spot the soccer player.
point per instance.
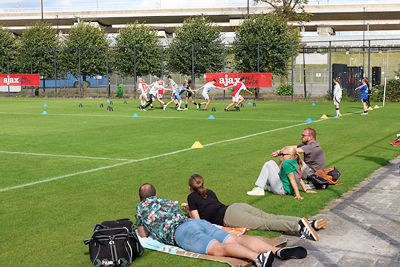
(189, 93)
(337, 96)
(206, 89)
(174, 87)
(176, 96)
(236, 97)
(143, 88)
(364, 94)
(160, 91)
(154, 88)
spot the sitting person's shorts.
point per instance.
(197, 235)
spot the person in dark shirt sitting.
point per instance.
(204, 204)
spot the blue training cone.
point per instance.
(309, 120)
(135, 115)
(45, 112)
(183, 102)
(249, 103)
(211, 117)
(108, 101)
(45, 105)
(313, 104)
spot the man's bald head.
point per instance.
(146, 190)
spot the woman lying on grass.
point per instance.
(204, 204)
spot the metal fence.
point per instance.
(310, 72)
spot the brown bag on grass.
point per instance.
(325, 174)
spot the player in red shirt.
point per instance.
(236, 97)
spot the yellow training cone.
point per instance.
(197, 145)
(324, 116)
(376, 106)
(340, 115)
(370, 108)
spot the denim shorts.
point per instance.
(197, 235)
(176, 97)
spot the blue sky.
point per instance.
(66, 5)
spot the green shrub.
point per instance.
(284, 89)
(392, 91)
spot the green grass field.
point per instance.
(98, 159)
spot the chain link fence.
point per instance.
(309, 74)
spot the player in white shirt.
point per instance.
(236, 97)
(337, 96)
(173, 86)
(154, 89)
(143, 88)
(206, 89)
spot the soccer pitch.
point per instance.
(66, 171)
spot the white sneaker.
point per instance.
(364, 113)
(256, 192)
(179, 109)
(185, 109)
(164, 106)
(310, 186)
(265, 259)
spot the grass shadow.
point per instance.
(378, 160)
(362, 149)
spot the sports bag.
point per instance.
(330, 174)
(318, 182)
(114, 243)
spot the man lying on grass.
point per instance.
(162, 220)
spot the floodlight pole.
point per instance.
(41, 6)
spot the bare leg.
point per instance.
(246, 247)
(166, 105)
(208, 103)
(233, 250)
(240, 101)
(365, 107)
(230, 105)
(161, 102)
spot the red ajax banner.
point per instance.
(254, 80)
(19, 79)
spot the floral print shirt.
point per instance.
(161, 217)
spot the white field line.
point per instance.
(92, 170)
(161, 155)
(56, 155)
(142, 116)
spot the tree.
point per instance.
(8, 43)
(268, 36)
(287, 9)
(204, 38)
(137, 43)
(85, 51)
(39, 43)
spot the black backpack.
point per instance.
(114, 243)
(318, 182)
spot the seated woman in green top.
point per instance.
(286, 178)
